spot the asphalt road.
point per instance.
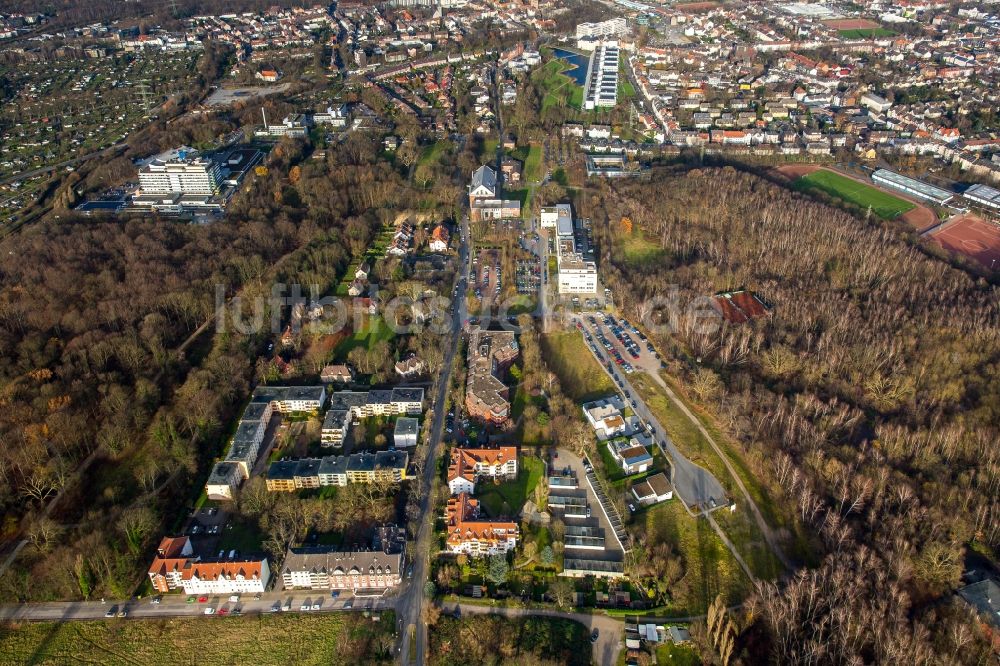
(411, 598)
(694, 484)
(175, 605)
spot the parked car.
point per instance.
(202, 600)
(209, 611)
(156, 600)
(111, 612)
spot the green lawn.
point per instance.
(522, 196)
(559, 88)
(245, 537)
(882, 203)
(506, 499)
(865, 33)
(323, 638)
(581, 376)
(489, 149)
(372, 331)
(710, 569)
(639, 249)
(533, 163)
(668, 654)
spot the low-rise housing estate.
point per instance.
(467, 466)
(476, 536)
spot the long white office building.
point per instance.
(616, 27)
(181, 174)
(602, 77)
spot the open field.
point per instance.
(668, 654)
(883, 204)
(639, 249)
(971, 236)
(582, 378)
(865, 33)
(325, 638)
(710, 569)
(506, 499)
(740, 526)
(372, 331)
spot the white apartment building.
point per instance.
(616, 27)
(601, 89)
(187, 176)
(236, 577)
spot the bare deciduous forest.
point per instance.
(92, 313)
(868, 401)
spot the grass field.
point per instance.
(740, 526)
(882, 203)
(433, 153)
(669, 654)
(372, 331)
(506, 499)
(639, 249)
(327, 638)
(559, 88)
(533, 163)
(581, 377)
(865, 33)
(710, 568)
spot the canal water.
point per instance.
(579, 71)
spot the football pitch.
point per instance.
(882, 203)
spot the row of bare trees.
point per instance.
(865, 400)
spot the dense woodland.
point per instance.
(92, 314)
(868, 400)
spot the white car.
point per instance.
(315, 606)
(209, 611)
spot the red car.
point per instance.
(223, 611)
(202, 600)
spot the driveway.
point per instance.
(609, 637)
(695, 485)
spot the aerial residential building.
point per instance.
(653, 490)
(469, 533)
(405, 433)
(290, 475)
(336, 374)
(439, 239)
(329, 568)
(166, 571)
(605, 417)
(490, 354)
(469, 465)
(175, 566)
(411, 366)
(616, 27)
(601, 89)
(336, 425)
(630, 454)
(225, 477)
(227, 577)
